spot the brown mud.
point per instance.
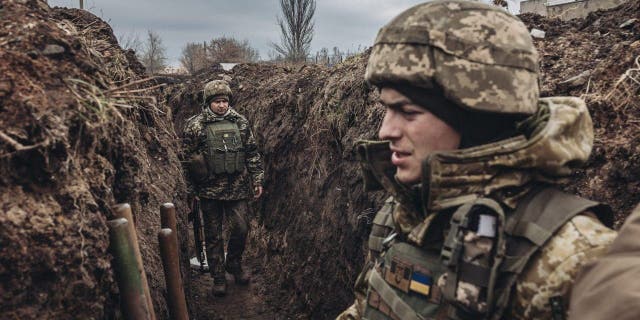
(313, 220)
(80, 142)
(78, 135)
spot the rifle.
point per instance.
(198, 235)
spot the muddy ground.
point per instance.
(313, 220)
(79, 135)
(80, 132)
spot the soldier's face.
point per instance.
(414, 134)
(219, 106)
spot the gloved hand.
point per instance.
(257, 192)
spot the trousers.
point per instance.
(213, 213)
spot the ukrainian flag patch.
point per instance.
(421, 283)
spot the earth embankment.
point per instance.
(81, 129)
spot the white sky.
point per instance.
(346, 24)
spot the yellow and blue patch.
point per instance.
(420, 283)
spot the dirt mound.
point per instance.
(77, 135)
(81, 130)
(313, 221)
(595, 58)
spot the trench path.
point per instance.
(240, 302)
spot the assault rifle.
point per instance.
(200, 261)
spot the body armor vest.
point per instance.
(405, 282)
(225, 151)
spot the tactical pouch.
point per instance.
(402, 284)
(472, 254)
(198, 169)
(225, 152)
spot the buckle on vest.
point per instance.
(453, 245)
(388, 241)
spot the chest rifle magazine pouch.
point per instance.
(225, 151)
(472, 254)
(198, 169)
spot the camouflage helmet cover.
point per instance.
(480, 55)
(216, 88)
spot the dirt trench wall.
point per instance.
(598, 59)
(76, 138)
(313, 220)
(314, 216)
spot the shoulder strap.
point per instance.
(536, 219)
(382, 225)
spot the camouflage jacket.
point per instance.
(517, 164)
(224, 186)
(608, 287)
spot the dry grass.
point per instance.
(116, 92)
(626, 91)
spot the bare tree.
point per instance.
(296, 27)
(194, 57)
(153, 56)
(130, 41)
(228, 49)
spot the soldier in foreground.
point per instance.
(225, 171)
(475, 228)
(609, 287)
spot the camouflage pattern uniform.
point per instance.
(235, 186)
(482, 59)
(226, 193)
(608, 288)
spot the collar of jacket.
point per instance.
(557, 140)
(210, 116)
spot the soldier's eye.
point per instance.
(410, 111)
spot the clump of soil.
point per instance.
(77, 135)
(311, 226)
(81, 129)
(595, 58)
(307, 242)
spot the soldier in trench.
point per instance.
(226, 170)
(475, 227)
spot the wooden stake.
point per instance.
(123, 210)
(170, 261)
(133, 303)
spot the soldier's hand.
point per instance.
(191, 200)
(257, 192)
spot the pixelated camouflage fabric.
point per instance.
(552, 272)
(607, 288)
(235, 186)
(216, 88)
(495, 170)
(560, 143)
(480, 55)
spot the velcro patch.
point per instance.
(398, 274)
(421, 283)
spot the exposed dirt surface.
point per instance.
(80, 131)
(313, 220)
(306, 246)
(75, 139)
(603, 52)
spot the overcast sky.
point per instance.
(346, 24)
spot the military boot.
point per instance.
(219, 285)
(239, 275)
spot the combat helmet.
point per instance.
(481, 57)
(214, 89)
